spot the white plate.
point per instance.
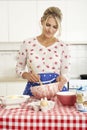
(14, 99)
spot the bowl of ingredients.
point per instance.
(66, 98)
(46, 90)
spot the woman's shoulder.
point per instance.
(29, 40)
(63, 43)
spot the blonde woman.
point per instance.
(46, 57)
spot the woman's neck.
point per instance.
(46, 41)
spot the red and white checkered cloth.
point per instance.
(60, 118)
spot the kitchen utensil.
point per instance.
(34, 72)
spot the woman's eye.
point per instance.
(55, 27)
(48, 25)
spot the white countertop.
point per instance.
(12, 79)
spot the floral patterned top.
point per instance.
(54, 58)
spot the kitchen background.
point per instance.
(20, 19)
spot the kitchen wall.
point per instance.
(78, 60)
(20, 19)
(8, 60)
(11, 84)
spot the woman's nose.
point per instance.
(50, 29)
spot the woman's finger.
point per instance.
(33, 77)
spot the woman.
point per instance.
(46, 57)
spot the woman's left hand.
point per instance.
(62, 80)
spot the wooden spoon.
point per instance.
(35, 73)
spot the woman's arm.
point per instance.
(62, 81)
(21, 60)
(64, 67)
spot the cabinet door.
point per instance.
(3, 89)
(77, 21)
(22, 20)
(3, 21)
(15, 88)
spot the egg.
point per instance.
(44, 102)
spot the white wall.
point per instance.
(20, 19)
(78, 60)
(8, 60)
(10, 84)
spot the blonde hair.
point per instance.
(56, 13)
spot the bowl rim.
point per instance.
(66, 93)
(50, 84)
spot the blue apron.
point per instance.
(46, 78)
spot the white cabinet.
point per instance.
(22, 20)
(9, 82)
(15, 88)
(7, 64)
(12, 88)
(17, 20)
(3, 89)
(76, 21)
(4, 21)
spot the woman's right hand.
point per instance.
(62, 80)
(31, 77)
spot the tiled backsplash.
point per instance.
(78, 60)
(7, 64)
(8, 60)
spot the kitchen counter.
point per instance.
(12, 79)
(59, 118)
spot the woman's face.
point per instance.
(50, 27)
